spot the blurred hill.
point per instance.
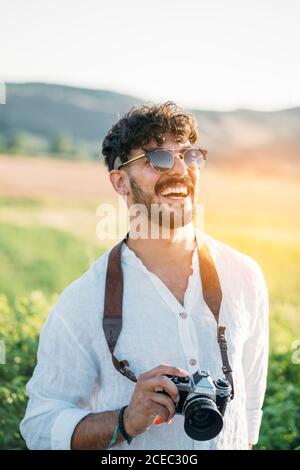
(67, 121)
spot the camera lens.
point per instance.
(201, 418)
(203, 421)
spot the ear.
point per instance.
(120, 181)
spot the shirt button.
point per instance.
(183, 315)
(193, 362)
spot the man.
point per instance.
(78, 399)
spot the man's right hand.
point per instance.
(146, 404)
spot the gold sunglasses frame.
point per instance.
(181, 153)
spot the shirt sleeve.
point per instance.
(255, 358)
(60, 388)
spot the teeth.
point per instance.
(175, 189)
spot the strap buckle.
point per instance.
(124, 369)
(226, 369)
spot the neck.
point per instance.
(179, 246)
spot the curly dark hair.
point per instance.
(141, 124)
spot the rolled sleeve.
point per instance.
(253, 424)
(63, 427)
(60, 388)
(255, 358)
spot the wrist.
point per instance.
(129, 428)
(121, 425)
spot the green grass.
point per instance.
(20, 202)
(40, 258)
(279, 258)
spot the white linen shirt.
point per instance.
(75, 376)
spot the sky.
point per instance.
(208, 54)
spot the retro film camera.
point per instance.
(202, 402)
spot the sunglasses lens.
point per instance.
(161, 160)
(194, 157)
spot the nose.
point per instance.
(179, 168)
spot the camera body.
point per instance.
(203, 402)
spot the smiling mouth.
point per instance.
(176, 192)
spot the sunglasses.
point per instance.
(162, 160)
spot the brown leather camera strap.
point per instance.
(113, 303)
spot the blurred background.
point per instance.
(68, 70)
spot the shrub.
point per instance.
(281, 420)
(19, 329)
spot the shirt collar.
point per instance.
(129, 257)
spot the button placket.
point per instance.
(184, 325)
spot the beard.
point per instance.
(163, 214)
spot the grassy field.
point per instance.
(48, 238)
(48, 227)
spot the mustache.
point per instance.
(171, 181)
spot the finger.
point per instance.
(159, 410)
(165, 401)
(163, 369)
(162, 383)
(158, 420)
